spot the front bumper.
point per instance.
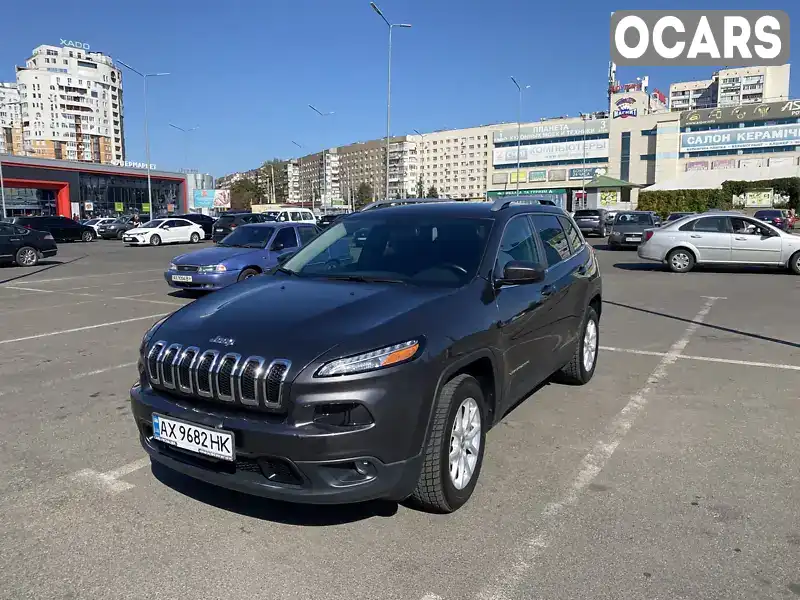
(294, 456)
(201, 281)
(109, 234)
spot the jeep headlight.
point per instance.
(372, 360)
(213, 269)
(150, 333)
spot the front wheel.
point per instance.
(603, 232)
(120, 234)
(155, 240)
(247, 274)
(195, 237)
(87, 236)
(453, 453)
(794, 263)
(27, 257)
(580, 369)
(680, 260)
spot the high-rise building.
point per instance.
(319, 179)
(732, 87)
(71, 105)
(292, 181)
(10, 119)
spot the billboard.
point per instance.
(758, 198)
(736, 114)
(547, 152)
(745, 137)
(729, 163)
(537, 175)
(552, 130)
(697, 165)
(586, 172)
(557, 175)
(219, 199)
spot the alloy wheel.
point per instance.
(589, 345)
(26, 257)
(465, 443)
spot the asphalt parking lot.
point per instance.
(675, 474)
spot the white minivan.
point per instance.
(296, 215)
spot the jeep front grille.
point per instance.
(229, 378)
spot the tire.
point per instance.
(680, 260)
(194, 238)
(794, 263)
(603, 232)
(580, 368)
(155, 240)
(247, 274)
(436, 489)
(120, 234)
(87, 236)
(27, 257)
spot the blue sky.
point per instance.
(245, 71)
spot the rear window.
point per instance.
(768, 213)
(587, 213)
(226, 220)
(633, 219)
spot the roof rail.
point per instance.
(401, 201)
(502, 203)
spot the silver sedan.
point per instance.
(720, 238)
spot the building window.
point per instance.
(625, 156)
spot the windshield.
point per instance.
(418, 249)
(121, 220)
(633, 219)
(248, 237)
(767, 213)
(151, 224)
(587, 213)
(92, 222)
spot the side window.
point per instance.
(573, 237)
(286, 237)
(306, 234)
(284, 216)
(747, 227)
(712, 224)
(296, 216)
(556, 246)
(518, 243)
(173, 223)
(309, 217)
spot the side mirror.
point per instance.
(520, 272)
(165, 227)
(276, 247)
(283, 258)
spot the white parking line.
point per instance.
(110, 479)
(51, 383)
(715, 359)
(590, 467)
(86, 328)
(91, 287)
(95, 275)
(135, 298)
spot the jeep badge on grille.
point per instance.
(222, 341)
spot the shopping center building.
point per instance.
(36, 186)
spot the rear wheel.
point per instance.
(794, 263)
(603, 231)
(580, 369)
(247, 274)
(155, 240)
(87, 236)
(27, 257)
(680, 260)
(195, 237)
(453, 453)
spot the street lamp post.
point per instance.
(324, 160)
(583, 164)
(186, 133)
(144, 77)
(519, 124)
(388, 87)
(2, 183)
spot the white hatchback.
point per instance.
(164, 231)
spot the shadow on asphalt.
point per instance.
(654, 266)
(650, 266)
(49, 264)
(188, 294)
(306, 515)
(706, 325)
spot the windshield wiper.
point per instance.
(364, 279)
(287, 271)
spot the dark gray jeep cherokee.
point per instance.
(373, 362)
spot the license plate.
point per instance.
(184, 278)
(186, 436)
(129, 239)
(633, 238)
(219, 229)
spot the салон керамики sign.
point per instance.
(700, 37)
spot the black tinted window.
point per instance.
(286, 237)
(6, 229)
(712, 224)
(587, 213)
(760, 214)
(306, 234)
(556, 245)
(518, 243)
(226, 220)
(574, 238)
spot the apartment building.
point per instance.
(732, 87)
(71, 105)
(456, 161)
(10, 119)
(365, 162)
(291, 180)
(319, 183)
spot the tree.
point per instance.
(420, 188)
(364, 195)
(432, 192)
(398, 195)
(275, 168)
(243, 194)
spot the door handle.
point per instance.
(695, 236)
(740, 238)
(548, 290)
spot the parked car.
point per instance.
(610, 216)
(377, 376)
(98, 222)
(678, 215)
(116, 229)
(721, 238)
(61, 228)
(206, 222)
(164, 231)
(591, 220)
(24, 246)
(628, 228)
(326, 221)
(250, 250)
(227, 222)
(774, 216)
(656, 218)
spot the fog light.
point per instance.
(363, 467)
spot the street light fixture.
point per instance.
(144, 77)
(519, 123)
(186, 133)
(388, 87)
(324, 159)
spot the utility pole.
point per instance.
(519, 124)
